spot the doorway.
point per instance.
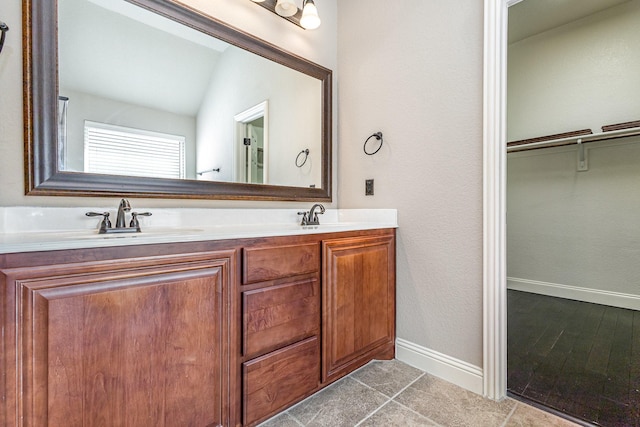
(253, 155)
(573, 171)
(252, 145)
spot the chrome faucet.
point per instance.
(124, 207)
(311, 217)
(121, 224)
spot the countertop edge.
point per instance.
(80, 240)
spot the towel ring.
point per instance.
(3, 29)
(378, 136)
(306, 156)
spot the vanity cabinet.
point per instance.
(211, 333)
(358, 302)
(139, 341)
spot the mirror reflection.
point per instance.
(141, 95)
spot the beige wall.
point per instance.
(580, 75)
(414, 72)
(576, 228)
(319, 46)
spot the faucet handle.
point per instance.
(134, 219)
(105, 223)
(305, 219)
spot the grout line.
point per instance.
(395, 395)
(392, 399)
(408, 385)
(373, 413)
(373, 389)
(389, 399)
(435, 424)
(295, 419)
(304, 400)
(424, 373)
(504, 423)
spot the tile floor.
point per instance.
(391, 393)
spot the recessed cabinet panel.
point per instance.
(263, 264)
(274, 381)
(359, 302)
(126, 346)
(279, 315)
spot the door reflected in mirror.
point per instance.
(178, 103)
(254, 154)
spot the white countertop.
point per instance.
(29, 229)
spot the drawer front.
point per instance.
(279, 315)
(262, 264)
(273, 381)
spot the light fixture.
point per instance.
(286, 8)
(310, 19)
(307, 17)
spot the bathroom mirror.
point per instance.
(224, 115)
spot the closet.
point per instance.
(573, 197)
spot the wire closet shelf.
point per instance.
(570, 140)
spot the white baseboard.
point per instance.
(450, 369)
(597, 296)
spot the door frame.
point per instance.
(494, 260)
(240, 119)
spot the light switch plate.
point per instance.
(368, 187)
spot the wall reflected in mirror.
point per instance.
(150, 97)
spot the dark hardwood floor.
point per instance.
(578, 358)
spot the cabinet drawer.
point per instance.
(273, 381)
(262, 264)
(279, 315)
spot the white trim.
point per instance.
(448, 368)
(494, 200)
(596, 296)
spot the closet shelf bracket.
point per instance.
(583, 159)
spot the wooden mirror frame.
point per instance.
(42, 177)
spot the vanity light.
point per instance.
(286, 8)
(310, 19)
(307, 17)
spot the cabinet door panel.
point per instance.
(359, 302)
(141, 346)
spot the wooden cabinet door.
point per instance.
(358, 302)
(136, 342)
